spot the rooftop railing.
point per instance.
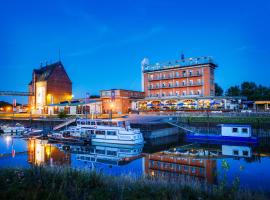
(180, 63)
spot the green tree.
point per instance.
(233, 91)
(249, 90)
(218, 90)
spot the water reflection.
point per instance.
(40, 152)
(170, 165)
(202, 162)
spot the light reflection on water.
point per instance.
(201, 162)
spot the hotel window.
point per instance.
(184, 93)
(184, 83)
(190, 82)
(151, 77)
(157, 95)
(177, 74)
(177, 93)
(198, 72)
(163, 85)
(199, 81)
(199, 92)
(171, 75)
(184, 73)
(163, 75)
(170, 84)
(157, 85)
(190, 72)
(191, 92)
(170, 93)
(163, 94)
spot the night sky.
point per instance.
(103, 42)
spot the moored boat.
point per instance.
(232, 133)
(111, 131)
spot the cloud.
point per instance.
(125, 41)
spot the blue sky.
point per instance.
(103, 42)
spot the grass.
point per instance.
(249, 120)
(65, 183)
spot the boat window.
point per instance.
(111, 153)
(98, 123)
(82, 122)
(235, 152)
(100, 151)
(93, 123)
(245, 153)
(111, 132)
(99, 132)
(92, 131)
(244, 130)
(235, 130)
(114, 123)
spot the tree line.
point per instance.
(248, 89)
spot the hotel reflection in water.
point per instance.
(40, 152)
(195, 163)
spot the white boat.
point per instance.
(13, 130)
(19, 130)
(110, 131)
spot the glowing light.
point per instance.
(8, 139)
(112, 105)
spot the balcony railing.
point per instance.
(176, 86)
(173, 77)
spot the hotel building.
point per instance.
(187, 77)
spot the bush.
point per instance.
(62, 114)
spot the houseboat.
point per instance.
(109, 131)
(230, 133)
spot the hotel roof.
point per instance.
(186, 62)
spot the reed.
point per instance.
(65, 183)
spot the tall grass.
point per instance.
(66, 183)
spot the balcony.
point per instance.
(175, 86)
(174, 77)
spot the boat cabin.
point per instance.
(236, 130)
(110, 123)
(237, 151)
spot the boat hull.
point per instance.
(220, 138)
(97, 141)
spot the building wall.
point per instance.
(179, 81)
(56, 88)
(120, 101)
(59, 87)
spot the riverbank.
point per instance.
(58, 183)
(255, 121)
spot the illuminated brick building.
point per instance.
(49, 84)
(40, 152)
(190, 77)
(118, 101)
